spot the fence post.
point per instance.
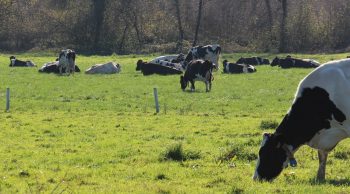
(7, 99)
(155, 92)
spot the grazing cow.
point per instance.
(318, 118)
(198, 70)
(108, 68)
(289, 62)
(237, 68)
(52, 67)
(66, 60)
(151, 68)
(170, 58)
(208, 52)
(253, 61)
(18, 63)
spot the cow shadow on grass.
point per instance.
(334, 182)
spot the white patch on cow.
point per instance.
(245, 69)
(107, 68)
(199, 77)
(13, 61)
(257, 60)
(227, 67)
(163, 58)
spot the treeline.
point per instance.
(144, 26)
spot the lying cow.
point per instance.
(198, 70)
(318, 118)
(290, 62)
(152, 68)
(108, 68)
(18, 63)
(253, 61)
(66, 61)
(170, 58)
(52, 67)
(209, 52)
(237, 68)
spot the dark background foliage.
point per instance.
(145, 26)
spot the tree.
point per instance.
(179, 24)
(199, 17)
(99, 7)
(282, 47)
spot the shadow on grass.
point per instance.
(334, 182)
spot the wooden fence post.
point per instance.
(155, 92)
(7, 99)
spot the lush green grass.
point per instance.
(99, 133)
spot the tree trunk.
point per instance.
(179, 45)
(99, 9)
(282, 47)
(138, 33)
(269, 14)
(200, 6)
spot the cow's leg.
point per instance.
(60, 69)
(192, 86)
(322, 158)
(209, 85)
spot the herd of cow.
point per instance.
(197, 65)
(318, 116)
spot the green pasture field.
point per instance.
(100, 134)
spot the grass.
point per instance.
(99, 133)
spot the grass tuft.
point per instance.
(175, 152)
(268, 124)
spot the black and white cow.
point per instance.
(253, 61)
(290, 62)
(151, 68)
(52, 67)
(66, 60)
(198, 70)
(318, 118)
(237, 68)
(18, 63)
(107, 68)
(170, 58)
(208, 52)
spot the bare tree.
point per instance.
(199, 17)
(282, 47)
(99, 7)
(179, 24)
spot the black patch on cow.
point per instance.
(310, 113)
(151, 68)
(290, 62)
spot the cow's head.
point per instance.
(12, 60)
(183, 83)
(138, 65)
(273, 157)
(251, 69)
(276, 61)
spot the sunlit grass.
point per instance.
(100, 133)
